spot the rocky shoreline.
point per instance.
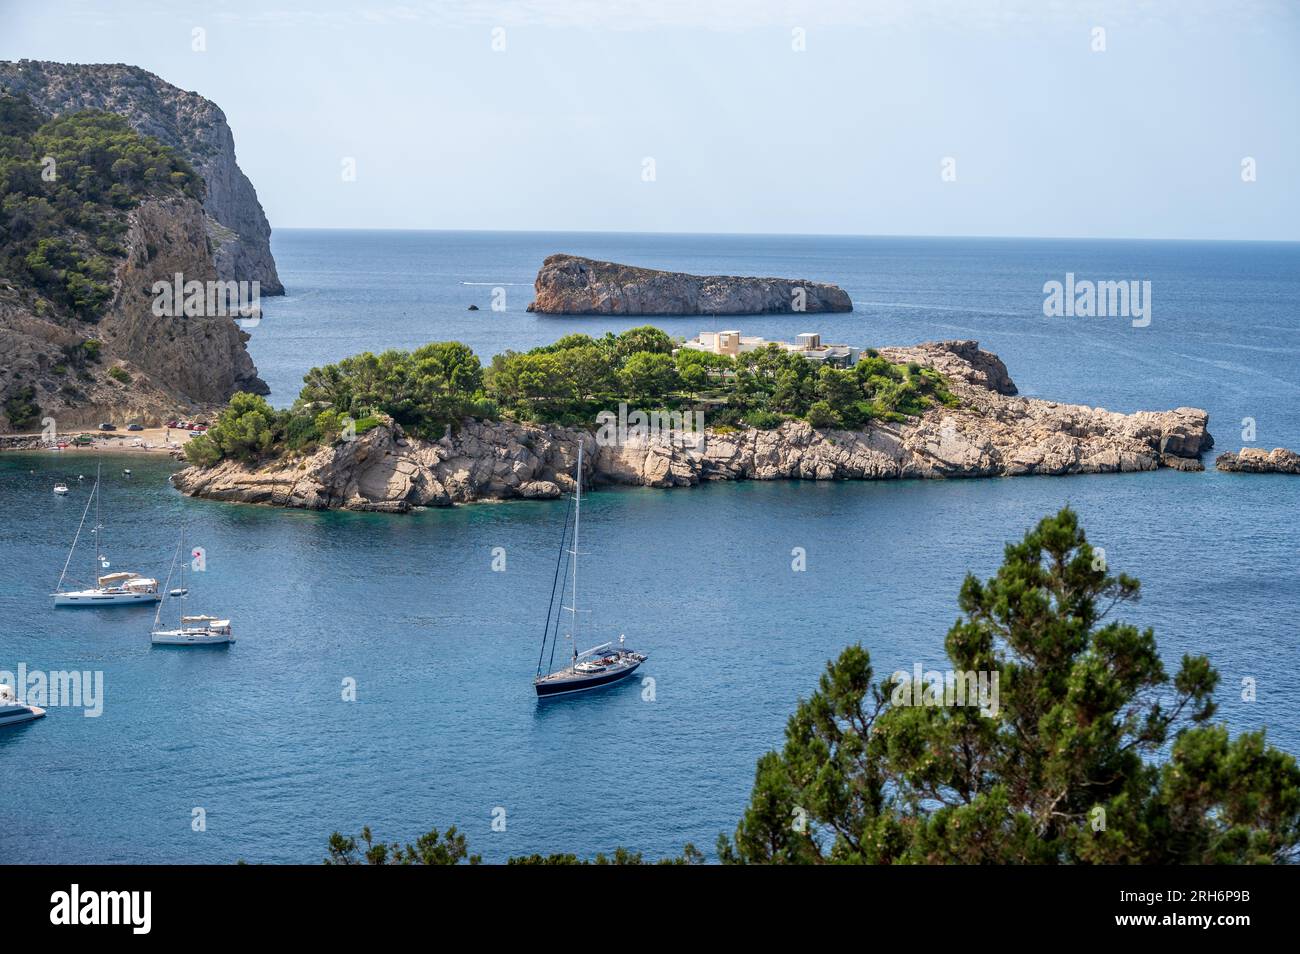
(572, 285)
(994, 433)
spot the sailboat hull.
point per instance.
(13, 714)
(563, 686)
(99, 598)
(183, 638)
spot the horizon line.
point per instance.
(869, 235)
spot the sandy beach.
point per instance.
(151, 440)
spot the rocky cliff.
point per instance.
(570, 285)
(119, 361)
(190, 124)
(164, 365)
(993, 433)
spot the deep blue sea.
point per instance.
(445, 728)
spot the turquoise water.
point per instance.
(445, 729)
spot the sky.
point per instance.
(830, 117)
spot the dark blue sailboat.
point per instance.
(599, 666)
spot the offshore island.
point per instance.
(429, 428)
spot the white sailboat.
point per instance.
(109, 589)
(190, 630)
(599, 666)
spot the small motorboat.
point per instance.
(61, 489)
(12, 711)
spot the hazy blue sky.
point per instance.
(1050, 138)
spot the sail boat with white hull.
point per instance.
(111, 589)
(599, 666)
(190, 630)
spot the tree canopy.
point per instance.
(66, 185)
(570, 381)
(1095, 754)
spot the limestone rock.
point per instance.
(1256, 460)
(571, 285)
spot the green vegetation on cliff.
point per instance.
(569, 382)
(67, 184)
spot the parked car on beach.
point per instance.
(107, 427)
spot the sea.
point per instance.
(382, 674)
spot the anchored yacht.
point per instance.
(195, 631)
(599, 666)
(190, 630)
(110, 589)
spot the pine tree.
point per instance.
(1091, 754)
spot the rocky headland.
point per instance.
(993, 433)
(143, 367)
(572, 285)
(195, 127)
(1256, 460)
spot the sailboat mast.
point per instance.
(185, 558)
(98, 550)
(577, 516)
(73, 549)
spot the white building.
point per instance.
(807, 345)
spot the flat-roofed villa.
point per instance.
(808, 345)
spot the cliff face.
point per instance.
(568, 284)
(993, 434)
(190, 124)
(172, 364)
(202, 359)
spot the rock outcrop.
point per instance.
(144, 367)
(166, 364)
(1256, 460)
(992, 434)
(190, 124)
(571, 285)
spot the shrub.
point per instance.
(822, 414)
(763, 420)
(22, 410)
(247, 429)
(63, 234)
(201, 451)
